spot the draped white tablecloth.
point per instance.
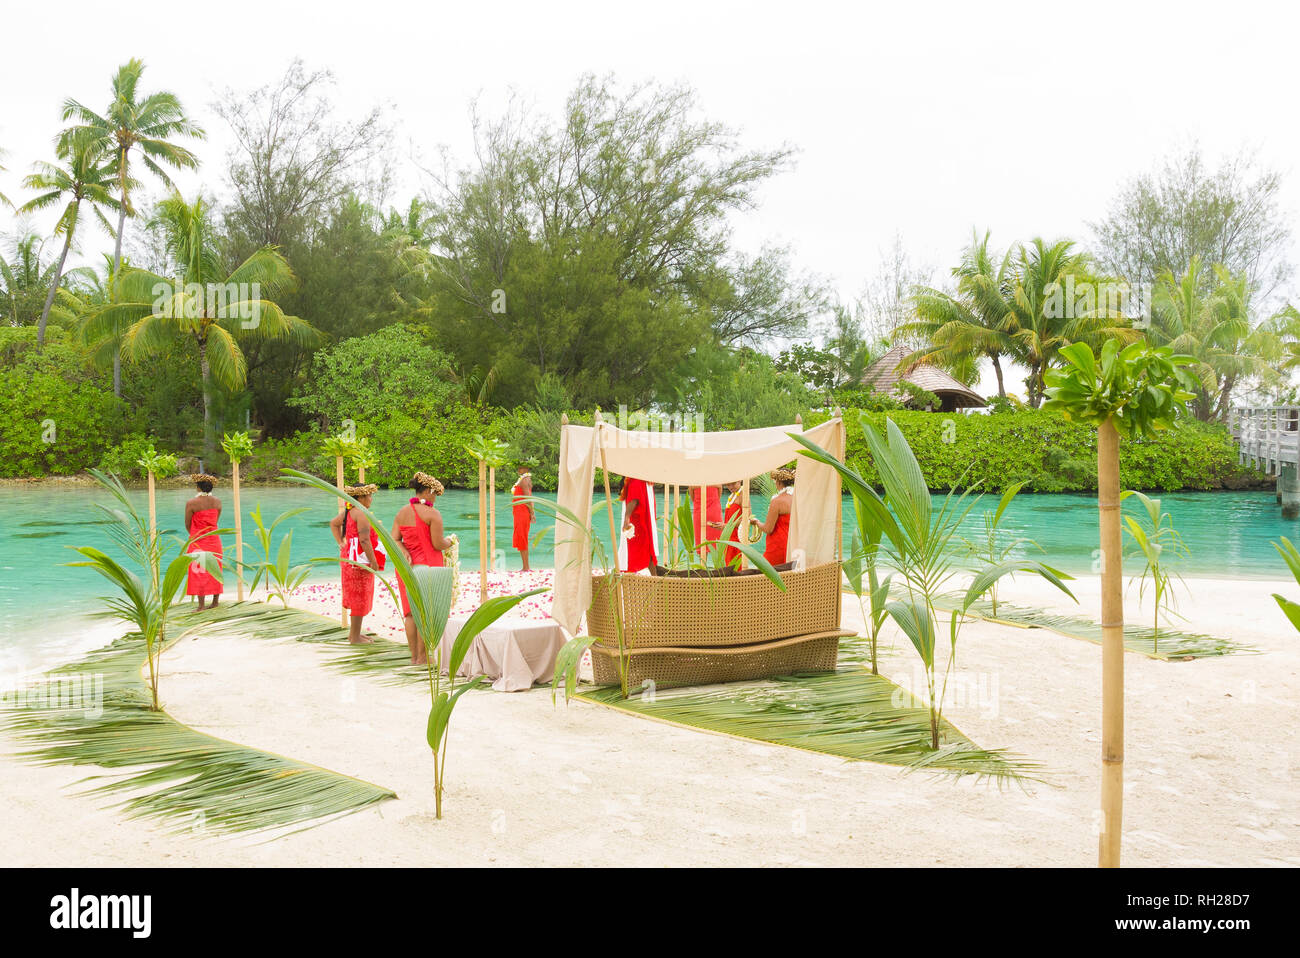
(514, 653)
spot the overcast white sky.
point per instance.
(918, 120)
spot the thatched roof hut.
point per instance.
(889, 370)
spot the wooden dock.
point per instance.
(1268, 438)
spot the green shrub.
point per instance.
(123, 459)
(55, 418)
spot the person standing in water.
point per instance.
(202, 515)
(777, 525)
(524, 512)
(418, 528)
(357, 543)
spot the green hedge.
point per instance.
(1049, 453)
(55, 419)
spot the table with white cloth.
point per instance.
(514, 653)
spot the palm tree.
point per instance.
(216, 309)
(130, 122)
(88, 178)
(1042, 324)
(25, 280)
(1214, 329)
(974, 322)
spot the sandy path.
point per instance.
(1210, 779)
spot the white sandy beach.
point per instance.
(1210, 778)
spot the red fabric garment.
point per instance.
(733, 510)
(358, 584)
(523, 519)
(775, 549)
(712, 513)
(641, 546)
(420, 545)
(199, 582)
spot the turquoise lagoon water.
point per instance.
(45, 606)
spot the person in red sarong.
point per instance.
(201, 520)
(357, 541)
(524, 513)
(777, 524)
(707, 518)
(638, 531)
(733, 511)
(418, 527)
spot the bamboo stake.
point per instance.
(338, 482)
(239, 530)
(492, 512)
(839, 491)
(1112, 651)
(482, 531)
(153, 512)
(745, 515)
(613, 534)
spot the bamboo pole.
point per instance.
(153, 511)
(1112, 651)
(239, 530)
(338, 482)
(613, 534)
(839, 491)
(482, 531)
(745, 515)
(492, 512)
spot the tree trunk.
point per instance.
(117, 264)
(205, 375)
(54, 288)
(997, 369)
(1112, 652)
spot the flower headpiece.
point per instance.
(356, 492)
(426, 481)
(198, 477)
(783, 475)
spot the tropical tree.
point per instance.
(1159, 544)
(26, 279)
(974, 321)
(214, 308)
(133, 123)
(1043, 320)
(1135, 391)
(86, 177)
(4, 200)
(1210, 321)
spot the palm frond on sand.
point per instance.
(388, 662)
(850, 713)
(163, 769)
(1175, 645)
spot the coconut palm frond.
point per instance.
(1174, 646)
(849, 713)
(166, 770)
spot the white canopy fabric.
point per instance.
(688, 459)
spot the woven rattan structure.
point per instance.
(691, 631)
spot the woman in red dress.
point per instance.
(777, 525)
(733, 511)
(201, 520)
(357, 540)
(524, 513)
(418, 528)
(638, 525)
